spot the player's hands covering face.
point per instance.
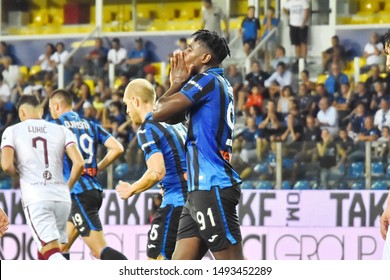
(180, 72)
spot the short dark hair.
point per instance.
(64, 95)
(183, 40)
(217, 44)
(31, 100)
(281, 63)
(386, 42)
(60, 44)
(251, 7)
(116, 40)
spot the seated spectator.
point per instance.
(183, 45)
(8, 115)
(360, 96)
(382, 145)
(124, 80)
(305, 79)
(60, 56)
(10, 72)
(256, 77)
(374, 77)
(336, 53)
(117, 55)
(279, 79)
(235, 79)
(89, 113)
(373, 52)
(248, 138)
(250, 30)
(335, 79)
(137, 60)
(283, 102)
(18, 90)
(342, 103)
(5, 52)
(280, 56)
(327, 117)
(44, 61)
(254, 99)
(255, 113)
(5, 92)
(345, 143)
(377, 96)
(96, 59)
(291, 133)
(115, 118)
(356, 121)
(84, 95)
(306, 103)
(320, 91)
(382, 116)
(270, 22)
(75, 86)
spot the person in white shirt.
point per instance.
(279, 79)
(382, 116)
(60, 56)
(327, 117)
(5, 92)
(34, 149)
(212, 16)
(44, 61)
(10, 72)
(373, 52)
(117, 55)
(298, 12)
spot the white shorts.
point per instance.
(386, 248)
(47, 221)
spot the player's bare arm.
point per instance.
(115, 149)
(7, 161)
(77, 164)
(385, 219)
(172, 105)
(4, 222)
(154, 174)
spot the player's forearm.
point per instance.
(110, 157)
(75, 173)
(149, 179)
(9, 168)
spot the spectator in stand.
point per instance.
(290, 134)
(378, 94)
(298, 12)
(280, 56)
(96, 59)
(124, 80)
(212, 15)
(257, 76)
(250, 30)
(116, 118)
(335, 54)
(89, 113)
(44, 61)
(361, 96)
(270, 22)
(255, 98)
(374, 77)
(382, 116)
(8, 115)
(4, 52)
(255, 113)
(305, 79)
(117, 55)
(19, 89)
(10, 72)
(59, 56)
(327, 117)
(138, 58)
(306, 103)
(283, 102)
(356, 120)
(320, 91)
(75, 86)
(335, 79)
(84, 95)
(279, 79)
(373, 52)
(345, 143)
(5, 92)
(248, 140)
(235, 79)
(342, 103)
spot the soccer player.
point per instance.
(38, 148)
(4, 222)
(385, 218)
(87, 193)
(164, 150)
(199, 90)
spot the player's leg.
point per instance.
(72, 234)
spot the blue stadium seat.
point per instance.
(121, 170)
(356, 170)
(343, 185)
(6, 183)
(264, 185)
(358, 185)
(286, 185)
(247, 185)
(287, 163)
(377, 169)
(302, 185)
(379, 185)
(271, 159)
(261, 168)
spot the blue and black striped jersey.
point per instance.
(210, 131)
(88, 135)
(154, 137)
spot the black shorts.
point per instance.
(212, 216)
(298, 35)
(250, 42)
(163, 232)
(85, 211)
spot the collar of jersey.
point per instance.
(148, 116)
(69, 114)
(216, 70)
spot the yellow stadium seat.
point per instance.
(35, 70)
(23, 70)
(369, 6)
(363, 77)
(384, 16)
(91, 85)
(40, 17)
(383, 75)
(321, 78)
(117, 83)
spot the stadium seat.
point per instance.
(371, 6)
(356, 170)
(271, 159)
(35, 69)
(261, 168)
(379, 185)
(302, 185)
(287, 163)
(264, 185)
(91, 85)
(377, 169)
(6, 183)
(358, 185)
(23, 70)
(363, 77)
(247, 185)
(343, 185)
(286, 185)
(120, 171)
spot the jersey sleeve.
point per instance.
(69, 137)
(7, 140)
(148, 141)
(102, 134)
(198, 88)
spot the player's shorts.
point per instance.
(47, 221)
(212, 216)
(298, 35)
(163, 232)
(85, 211)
